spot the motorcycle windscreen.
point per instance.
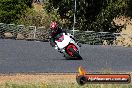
(64, 43)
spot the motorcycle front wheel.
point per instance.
(72, 52)
(75, 54)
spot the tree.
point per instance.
(90, 15)
(11, 10)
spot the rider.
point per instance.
(54, 31)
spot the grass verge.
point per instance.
(49, 81)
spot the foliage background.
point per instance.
(96, 15)
(11, 10)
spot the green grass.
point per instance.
(63, 85)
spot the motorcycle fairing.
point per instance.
(64, 43)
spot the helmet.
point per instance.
(53, 26)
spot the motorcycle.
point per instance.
(67, 45)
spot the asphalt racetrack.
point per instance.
(17, 56)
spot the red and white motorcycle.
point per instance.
(66, 44)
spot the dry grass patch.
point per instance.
(126, 32)
(49, 81)
(37, 7)
(47, 78)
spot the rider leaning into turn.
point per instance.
(54, 32)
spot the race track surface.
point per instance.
(30, 56)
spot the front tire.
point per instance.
(75, 54)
